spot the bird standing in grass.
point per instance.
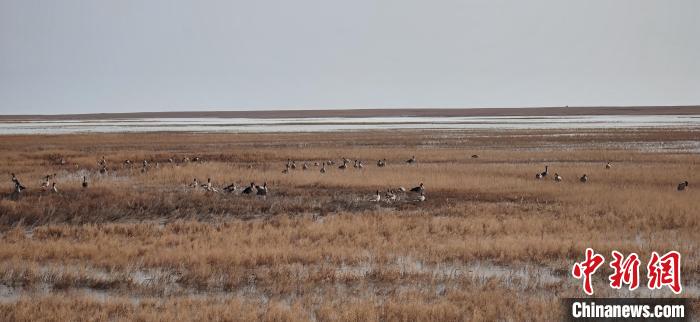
(54, 189)
(262, 191)
(584, 179)
(194, 184)
(682, 185)
(18, 186)
(419, 189)
(343, 166)
(207, 186)
(608, 165)
(230, 188)
(376, 197)
(46, 184)
(411, 160)
(250, 190)
(323, 168)
(557, 177)
(390, 195)
(85, 183)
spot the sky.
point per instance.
(98, 56)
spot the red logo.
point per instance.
(665, 271)
(662, 270)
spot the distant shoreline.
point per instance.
(352, 113)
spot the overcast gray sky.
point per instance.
(152, 55)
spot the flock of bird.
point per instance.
(584, 178)
(253, 189)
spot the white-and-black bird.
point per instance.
(557, 177)
(376, 197)
(608, 165)
(418, 189)
(18, 186)
(249, 190)
(85, 182)
(323, 168)
(411, 160)
(390, 195)
(46, 183)
(543, 174)
(262, 190)
(230, 188)
(584, 179)
(207, 186)
(682, 185)
(54, 189)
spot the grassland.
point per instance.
(489, 243)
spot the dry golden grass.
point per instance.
(489, 243)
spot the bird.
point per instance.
(557, 177)
(545, 173)
(305, 166)
(538, 176)
(376, 197)
(608, 165)
(195, 183)
(207, 186)
(381, 163)
(420, 198)
(355, 165)
(286, 168)
(53, 188)
(18, 186)
(103, 170)
(390, 195)
(231, 188)
(682, 185)
(402, 189)
(294, 165)
(343, 166)
(475, 156)
(262, 191)
(249, 190)
(359, 165)
(85, 183)
(411, 160)
(418, 189)
(584, 179)
(323, 168)
(45, 185)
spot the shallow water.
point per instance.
(238, 125)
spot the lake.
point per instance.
(235, 125)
